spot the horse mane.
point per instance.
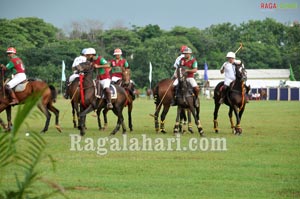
(31, 79)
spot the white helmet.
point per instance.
(117, 51)
(90, 51)
(83, 51)
(230, 55)
(187, 51)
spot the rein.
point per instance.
(81, 78)
(243, 95)
(3, 84)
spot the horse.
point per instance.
(129, 87)
(186, 100)
(73, 92)
(137, 93)
(235, 99)
(90, 102)
(148, 93)
(163, 95)
(30, 88)
(263, 94)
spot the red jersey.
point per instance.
(103, 72)
(190, 64)
(118, 67)
(16, 64)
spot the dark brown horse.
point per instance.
(90, 102)
(186, 100)
(163, 95)
(73, 92)
(235, 99)
(129, 87)
(33, 87)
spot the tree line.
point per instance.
(42, 46)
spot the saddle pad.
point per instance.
(113, 91)
(21, 87)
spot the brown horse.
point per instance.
(73, 92)
(235, 99)
(48, 97)
(137, 93)
(163, 95)
(148, 93)
(129, 87)
(90, 102)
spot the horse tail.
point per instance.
(53, 93)
(217, 92)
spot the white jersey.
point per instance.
(177, 61)
(78, 60)
(229, 70)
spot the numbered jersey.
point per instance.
(17, 65)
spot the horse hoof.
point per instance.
(234, 131)
(191, 130)
(163, 131)
(112, 134)
(238, 131)
(216, 130)
(58, 128)
(131, 129)
(124, 133)
(201, 132)
(82, 133)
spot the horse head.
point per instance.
(85, 67)
(240, 72)
(126, 76)
(182, 75)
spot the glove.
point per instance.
(237, 62)
(3, 67)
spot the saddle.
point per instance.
(99, 93)
(21, 87)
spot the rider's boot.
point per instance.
(98, 90)
(13, 96)
(108, 96)
(174, 99)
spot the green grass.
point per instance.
(262, 163)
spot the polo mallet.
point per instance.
(153, 115)
(3, 83)
(241, 46)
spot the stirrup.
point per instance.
(14, 102)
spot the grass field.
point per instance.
(262, 163)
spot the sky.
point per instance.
(165, 13)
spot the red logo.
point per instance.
(268, 5)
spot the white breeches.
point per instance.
(115, 79)
(17, 79)
(105, 83)
(191, 80)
